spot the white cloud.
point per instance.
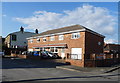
(4, 15)
(95, 18)
(111, 41)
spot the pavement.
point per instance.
(90, 69)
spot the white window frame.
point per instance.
(44, 39)
(38, 40)
(61, 37)
(31, 41)
(54, 49)
(75, 35)
(52, 38)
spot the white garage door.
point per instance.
(30, 49)
(76, 53)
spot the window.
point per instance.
(44, 39)
(99, 43)
(54, 50)
(75, 35)
(61, 37)
(14, 38)
(31, 41)
(52, 38)
(25, 42)
(38, 39)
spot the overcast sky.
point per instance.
(101, 17)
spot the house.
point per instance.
(1, 42)
(112, 48)
(16, 41)
(73, 43)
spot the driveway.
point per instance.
(23, 70)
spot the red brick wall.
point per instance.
(87, 41)
(101, 63)
(71, 43)
(22, 56)
(91, 43)
(79, 63)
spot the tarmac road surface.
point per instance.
(23, 70)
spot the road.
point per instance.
(22, 70)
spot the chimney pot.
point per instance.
(36, 31)
(22, 29)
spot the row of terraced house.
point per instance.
(74, 44)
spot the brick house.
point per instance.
(75, 43)
(112, 48)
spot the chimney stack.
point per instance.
(22, 29)
(36, 31)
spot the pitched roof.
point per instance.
(23, 32)
(67, 29)
(18, 32)
(112, 47)
(59, 30)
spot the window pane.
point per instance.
(44, 39)
(52, 49)
(31, 41)
(14, 37)
(75, 35)
(56, 50)
(38, 40)
(61, 37)
(52, 38)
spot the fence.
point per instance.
(103, 56)
(102, 60)
(74, 56)
(94, 60)
(101, 63)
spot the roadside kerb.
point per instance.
(96, 70)
(112, 69)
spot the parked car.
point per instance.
(47, 54)
(29, 53)
(24, 53)
(36, 53)
(44, 54)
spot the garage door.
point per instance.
(30, 49)
(76, 53)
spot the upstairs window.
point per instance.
(38, 39)
(75, 35)
(25, 42)
(14, 38)
(31, 41)
(44, 39)
(61, 37)
(52, 38)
